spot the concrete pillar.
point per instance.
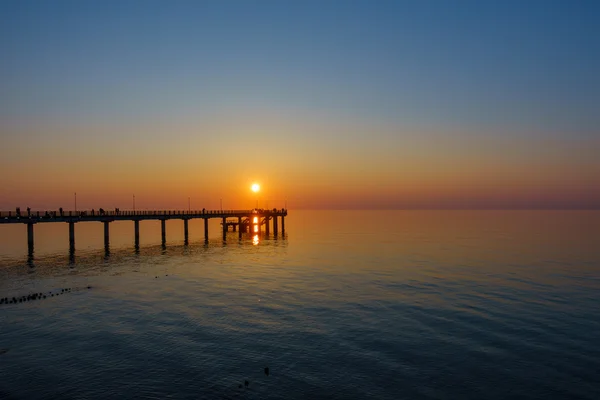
(282, 225)
(240, 227)
(267, 226)
(185, 230)
(206, 230)
(163, 231)
(30, 238)
(106, 234)
(224, 228)
(72, 235)
(136, 225)
(275, 228)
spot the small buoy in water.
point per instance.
(267, 371)
(240, 386)
(246, 383)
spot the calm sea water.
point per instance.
(349, 305)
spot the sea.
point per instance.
(408, 304)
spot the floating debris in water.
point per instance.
(3, 351)
(267, 371)
(37, 296)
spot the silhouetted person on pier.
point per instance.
(101, 211)
(18, 211)
(28, 211)
(61, 211)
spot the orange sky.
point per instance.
(316, 164)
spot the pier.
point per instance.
(242, 221)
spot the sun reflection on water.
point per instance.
(255, 240)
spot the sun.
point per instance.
(255, 187)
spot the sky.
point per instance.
(325, 104)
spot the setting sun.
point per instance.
(255, 187)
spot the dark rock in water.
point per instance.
(267, 371)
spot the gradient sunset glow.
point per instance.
(324, 104)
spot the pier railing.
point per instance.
(129, 213)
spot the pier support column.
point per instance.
(282, 225)
(185, 231)
(30, 238)
(206, 230)
(72, 236)
(267, 226)
(224, 228)
(136, 225)
(275, 227)
(106, 234)
(240, 227)
(163, 231)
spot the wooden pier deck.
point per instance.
(250, 221)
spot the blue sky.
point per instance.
(465, 63)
